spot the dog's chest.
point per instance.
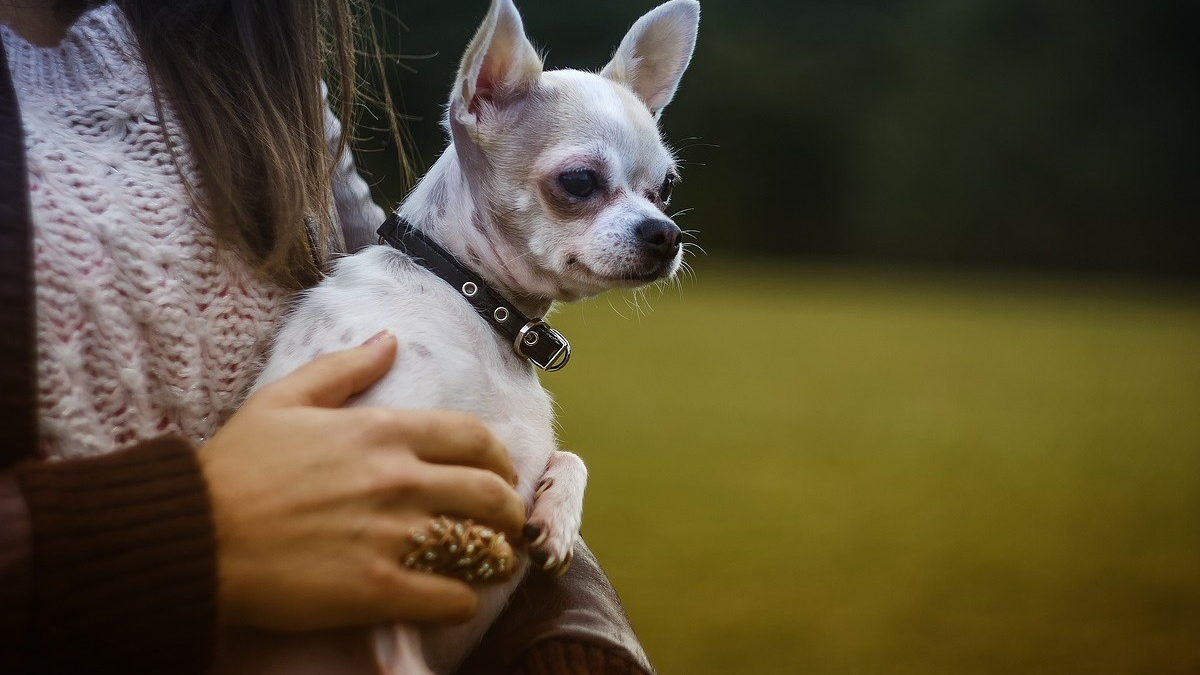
(447, 358)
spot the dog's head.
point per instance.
(568, 166)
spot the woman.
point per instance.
(176, 187)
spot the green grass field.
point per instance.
(852, 472)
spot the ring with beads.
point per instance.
(462, 550)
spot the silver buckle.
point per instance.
(526, 338)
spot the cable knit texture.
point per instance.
(144, 326)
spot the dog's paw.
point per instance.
(552, 527)
(551, 535)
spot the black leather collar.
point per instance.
(531, 339)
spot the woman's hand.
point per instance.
(314, 503)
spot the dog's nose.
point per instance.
(661, 237)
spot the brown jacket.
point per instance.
(108, 564)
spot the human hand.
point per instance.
(314, 503)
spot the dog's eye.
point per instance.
(579, 182)
(664, 192)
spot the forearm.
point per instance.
(110, 562)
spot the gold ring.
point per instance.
(461, 549)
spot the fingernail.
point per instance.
(378, 337)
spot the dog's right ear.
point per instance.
(499, 65)
(655, 52)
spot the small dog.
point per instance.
(552, 189)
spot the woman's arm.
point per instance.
(295, 516)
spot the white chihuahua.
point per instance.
(552, 189)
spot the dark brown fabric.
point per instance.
(18, 421)
(551, 621)
(18, 431)
(573, 657)
(14, 576)
(123, 562)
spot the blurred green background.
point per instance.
(930, 402)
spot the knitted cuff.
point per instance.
(573, 657)
(14, 576)
(124, 562)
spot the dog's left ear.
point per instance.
(499, 65)
(656, 51)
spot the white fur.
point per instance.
(491, 200)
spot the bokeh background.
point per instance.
(931, 401)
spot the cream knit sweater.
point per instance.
(143, 326)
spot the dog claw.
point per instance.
(550, 563)
(538, 557)
(542, 487)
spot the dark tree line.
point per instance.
(1048, 133)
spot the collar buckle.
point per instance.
(534, 332)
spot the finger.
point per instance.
(431, 598)
(448, 437)
(475, 494)
(333, 378)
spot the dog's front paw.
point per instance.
(557, 513)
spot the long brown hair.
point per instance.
(243, 77)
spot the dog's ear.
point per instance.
(499, 65)
(656, 51)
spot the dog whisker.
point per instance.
(615, 310)
(693, 142)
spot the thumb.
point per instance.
(331, 379)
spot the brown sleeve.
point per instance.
(569, 625)
(14, 576)
(120, 564)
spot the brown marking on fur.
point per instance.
(473, 254)
(479, 222)
(440, 198)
